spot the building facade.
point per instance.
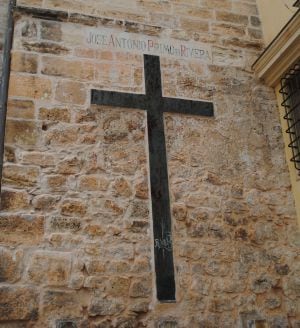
(77, 247)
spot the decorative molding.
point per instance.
(281, 54)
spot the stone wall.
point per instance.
(76, 230)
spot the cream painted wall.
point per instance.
(274, 15)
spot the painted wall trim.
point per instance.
(281, 54)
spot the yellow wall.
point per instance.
(295, 178)
(274, 15)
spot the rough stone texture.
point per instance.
(18, 303)
(75, 224)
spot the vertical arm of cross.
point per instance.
(162, 230)
(152, 77)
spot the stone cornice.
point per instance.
(281, 54)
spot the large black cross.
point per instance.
(155, 105)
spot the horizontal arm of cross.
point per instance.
(188, 107)
(119, 99)
(140, 101)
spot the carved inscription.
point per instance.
(109, 39)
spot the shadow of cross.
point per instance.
(155, 105)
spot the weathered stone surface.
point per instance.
(73, 207)
(263, 284)
(84, 169)
(273, 302)
(9, 154)
(102, 306)
(51, 31)
(57, 182)
(21, 175)
(24, 62)
(38, 159)
(119, 266)
(50, 269)
(45, 202)
(12, 200)
(21, 229)
(140, 288)
(140, 306)
(69, 166)
(65, 224)
(45, 47)
(10, 266)
(179, 211)
(30, 87)
(118, 286)
(18, 303)
(71, 92)
(93, 183)
(232, 18)
(61, 136)
(78, 70)
(17, 108)
(29, 28)
(22, 133)
(122, 188)
(141, 189)
(63, 303)
(221, 304)
(55, 114)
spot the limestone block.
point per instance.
(63, 303)
(122, 187)
(45, 47)
(21, 229)
(263, 284)
(23, 109)
(228, 29)
(71, 165)
(18, 175)
(93, 183)
(45, 202)
(24, 62)
(56, 182)
(57, 66)
(9, 154)
(18, 303)
(141, 189)
(51, 31)
(12, 200)
(22, 133)
(71, 207)
(30, 86)
(118, 286)
(55, 114)
(62, 224)
(10, 265)
(102, 306)
(141, 288)
(232, 18)
(61, 136)
(71, 92)
(27, 28)
(50, 269)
